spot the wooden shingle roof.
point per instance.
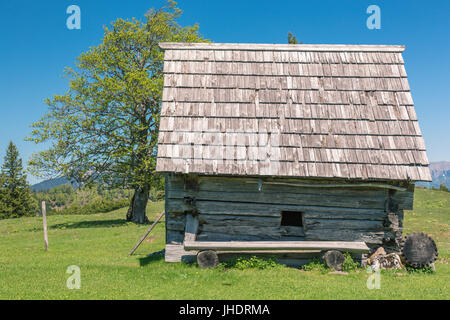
(336, 111)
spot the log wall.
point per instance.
(241, 208)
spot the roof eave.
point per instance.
(281, 47)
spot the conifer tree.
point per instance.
(15, 195)
(292, 39)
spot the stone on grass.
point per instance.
(379, 251)
(388, 262)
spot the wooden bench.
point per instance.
(207, 255)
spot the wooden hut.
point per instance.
(274, 142)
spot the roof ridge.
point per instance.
(282, 47)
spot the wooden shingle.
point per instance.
(297, 110)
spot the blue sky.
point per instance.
(36, 46)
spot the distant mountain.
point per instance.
(49, 184)
(440, 173)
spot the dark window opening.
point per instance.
(292, 218)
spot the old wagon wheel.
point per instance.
(207, 259)
(419, 250)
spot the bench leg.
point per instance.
(207, 259)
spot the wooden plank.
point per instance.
(356, 247)
(274, 185)
(146, 234)
(191, 227)
(176, 222)
(267, 232)
(174, 236)
(242, 220)
(340, 185)
(369, 237)
(176, 253)
(343, 224)
(215, 236)
(268, 212)
(287, 198)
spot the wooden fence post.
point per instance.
(44, 218)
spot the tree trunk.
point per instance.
(138, 205)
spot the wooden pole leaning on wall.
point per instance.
(146, 234)
(44, 219)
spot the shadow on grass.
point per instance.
(152, 257)
(90, 224)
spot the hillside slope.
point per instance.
(49, 184)
(99, 245)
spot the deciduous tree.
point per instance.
(105, 127)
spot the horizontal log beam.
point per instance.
(263, 211)
(335, 185)
(344, 201)
(354, 247)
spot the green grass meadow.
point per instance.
(99, 245)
